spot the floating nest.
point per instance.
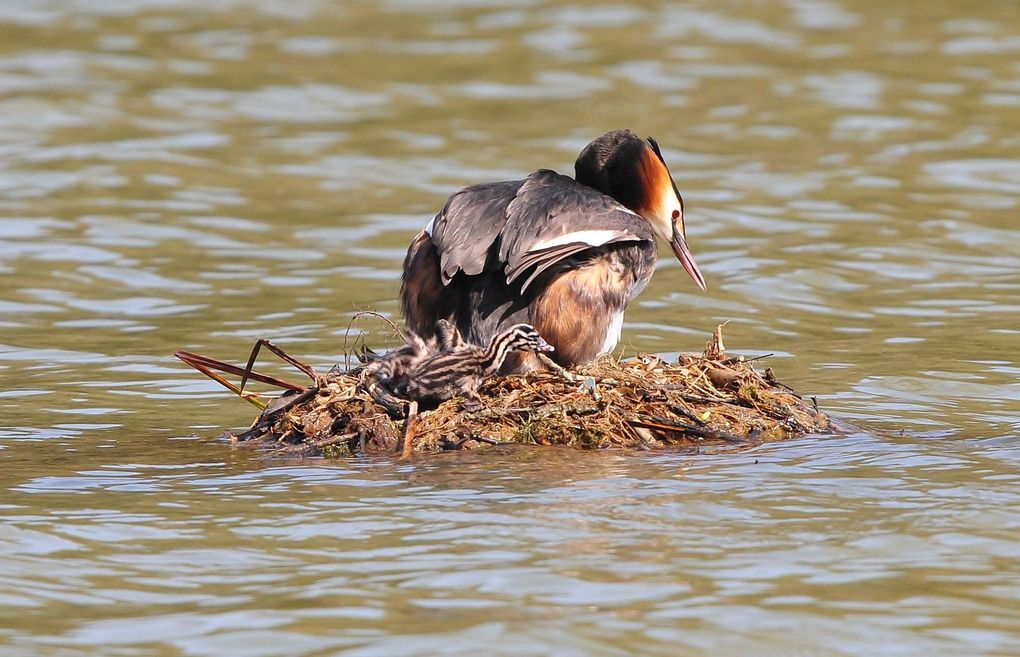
(645, 402)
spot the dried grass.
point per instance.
(641, 403)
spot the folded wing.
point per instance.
(466, 229)
(527, 226)
(553, 217)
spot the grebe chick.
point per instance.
(448, 337)
(394, 365)
(391, 367)
(461, 370)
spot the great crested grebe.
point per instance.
(565, 255)
(462, 368)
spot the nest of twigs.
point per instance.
(643, 402)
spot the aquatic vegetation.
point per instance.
(644, 402)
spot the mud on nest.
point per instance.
(643, 402)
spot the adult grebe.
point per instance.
(564, 255)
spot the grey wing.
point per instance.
(553, 217)
(465, 231)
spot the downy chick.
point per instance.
(391, 369)
(460, 370)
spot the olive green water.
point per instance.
(199, 174)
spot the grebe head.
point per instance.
(523, 337)
(633, 171)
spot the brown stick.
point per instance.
(331, 440)
(203, 364)
(687, 413)
(282, 404)
(556, 367)
(355, 317)
(743, 359)
(409, 431)
(690, 429)
(263, 342)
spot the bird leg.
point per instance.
(381, 394)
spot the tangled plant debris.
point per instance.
(643, 402)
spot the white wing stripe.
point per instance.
(592, 237)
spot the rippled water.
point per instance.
(183, 174)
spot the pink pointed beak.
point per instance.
(683, 254)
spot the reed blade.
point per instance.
(204, 363)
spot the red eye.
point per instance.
(676, 215)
